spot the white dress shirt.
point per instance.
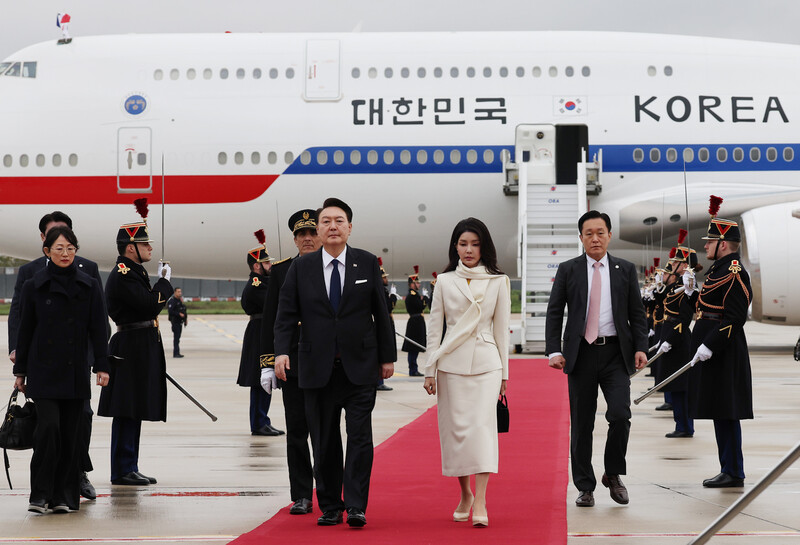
(327, 268)
(606, 326)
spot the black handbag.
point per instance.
(502, 414)
(16, 432)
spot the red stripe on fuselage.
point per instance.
(103, 189)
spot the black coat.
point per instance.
(253, 297)
(415, 328)
(722, 387)
(138, 386)
(56, 329)
(175, 308)
(675, 329)
(360, 330)
(277, 276)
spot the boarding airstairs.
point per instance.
(548, 210)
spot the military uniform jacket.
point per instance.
(721, 387)
(58, 326)
(253, 296)
(277, 277)
(678, 312)
(415, 328)
(138, 386)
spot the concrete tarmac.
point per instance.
(216, 481)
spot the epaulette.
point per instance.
(266, 360)
(122, 268)
(256, 282)
(412, 292)
(735, 268)
(281, 261)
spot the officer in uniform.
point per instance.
(303, 225)
(137, 388)
(176, 311)
(253, 297)
(415, 328)
(720, 387)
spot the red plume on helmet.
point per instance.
(656, 261)
(416, 269)
(673, 251)
(434, 274)
(714, 203)
(260, 236)
(682, 236)
(380, 262)
(141, 207)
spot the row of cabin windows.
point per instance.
(322, 157)
(18, 69)
(40, 160)
(703, 155)
(223, 73)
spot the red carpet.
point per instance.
(411, 502)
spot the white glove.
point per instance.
(424, 292)
(268, 379)
(688, 282)
(164, 270)
(703, 353)
(651, 333)
(393, 290)
(659, 278)
(648, 293)
(664, 348)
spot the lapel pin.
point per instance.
(616, 266)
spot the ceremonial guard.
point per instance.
(674, 348)
(303, 225)
(415, 328)
(720, 387)
(253, 297)
(137, 388)
(391, 301)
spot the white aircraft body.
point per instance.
(235, 132)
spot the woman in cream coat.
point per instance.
(467, 365)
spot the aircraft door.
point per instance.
(134, 160)
(322, 70)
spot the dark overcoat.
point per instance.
(415, 328)
(57, 329)
(676, 330)
(137, 387)
(277, 275)
(253, 297)
(721, 387)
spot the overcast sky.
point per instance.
(25, 22)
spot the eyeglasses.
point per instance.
(64, 249)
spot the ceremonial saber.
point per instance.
(651, 360)
(415, 343)
(666, 381)
(751, 494)
(649, 350)
(191, 398)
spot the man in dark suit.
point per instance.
(48, 221)
(604, 342)
(346, 343)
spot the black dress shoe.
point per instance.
(131, 479)
(618, 491)
(676, 433)
(303, 506)
(585, 499)
(37, 506)
(330, 518)
(356, 517)
(416, 374)
(177, 355)
(664, 407)
(87, 490)
(384, 388)
(268, 431)
(151, 480)
(723, 480)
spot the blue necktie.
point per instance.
(336, 286)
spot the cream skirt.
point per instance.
(467, 412)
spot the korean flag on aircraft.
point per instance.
(570, 106)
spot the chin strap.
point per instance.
(716, 250)
(136, 246)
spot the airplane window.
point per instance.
(520, 72)
(141, 159)
(223, 73)
(651, 71)
(388, 157)
(7, 161)
(422, 157)
(472, 156)
(722, 155)
(355, 73)
(222, 158)
(305, 157)
(158, 75)
(405, 156)
(488, 156)
(191, 73)
(455, 156)
(655, 155)
(372, 157)
(454, 72)
(438, 157)
(688, 155)
(788, 154)
(569, 71)
(322, 157)
(388, 73)
(470, 72)
(207, 73)
(40, 160)
(404, 72)
(420, 72)
(23, 160)
(667, 70)
(238, 158)
(738, 154)
(15, 70)
(289, 73)
(355, 157)
(29, 70)
(703, 155)
(240, 73)
(755, 155)
(3, 66)
(173, 74)
(503, 72)
(772, 154)
(672, 155)
(537, 72)
(288, 157)
(272, 158)
(437, 72)
(57, 160)
(638, 155)
(255, 158)
(586, 71)
(338, 157)
(273, 73)
(256, 73)
(487, 72)
(372, 73)
(552, 71)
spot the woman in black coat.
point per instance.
(63, 317)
